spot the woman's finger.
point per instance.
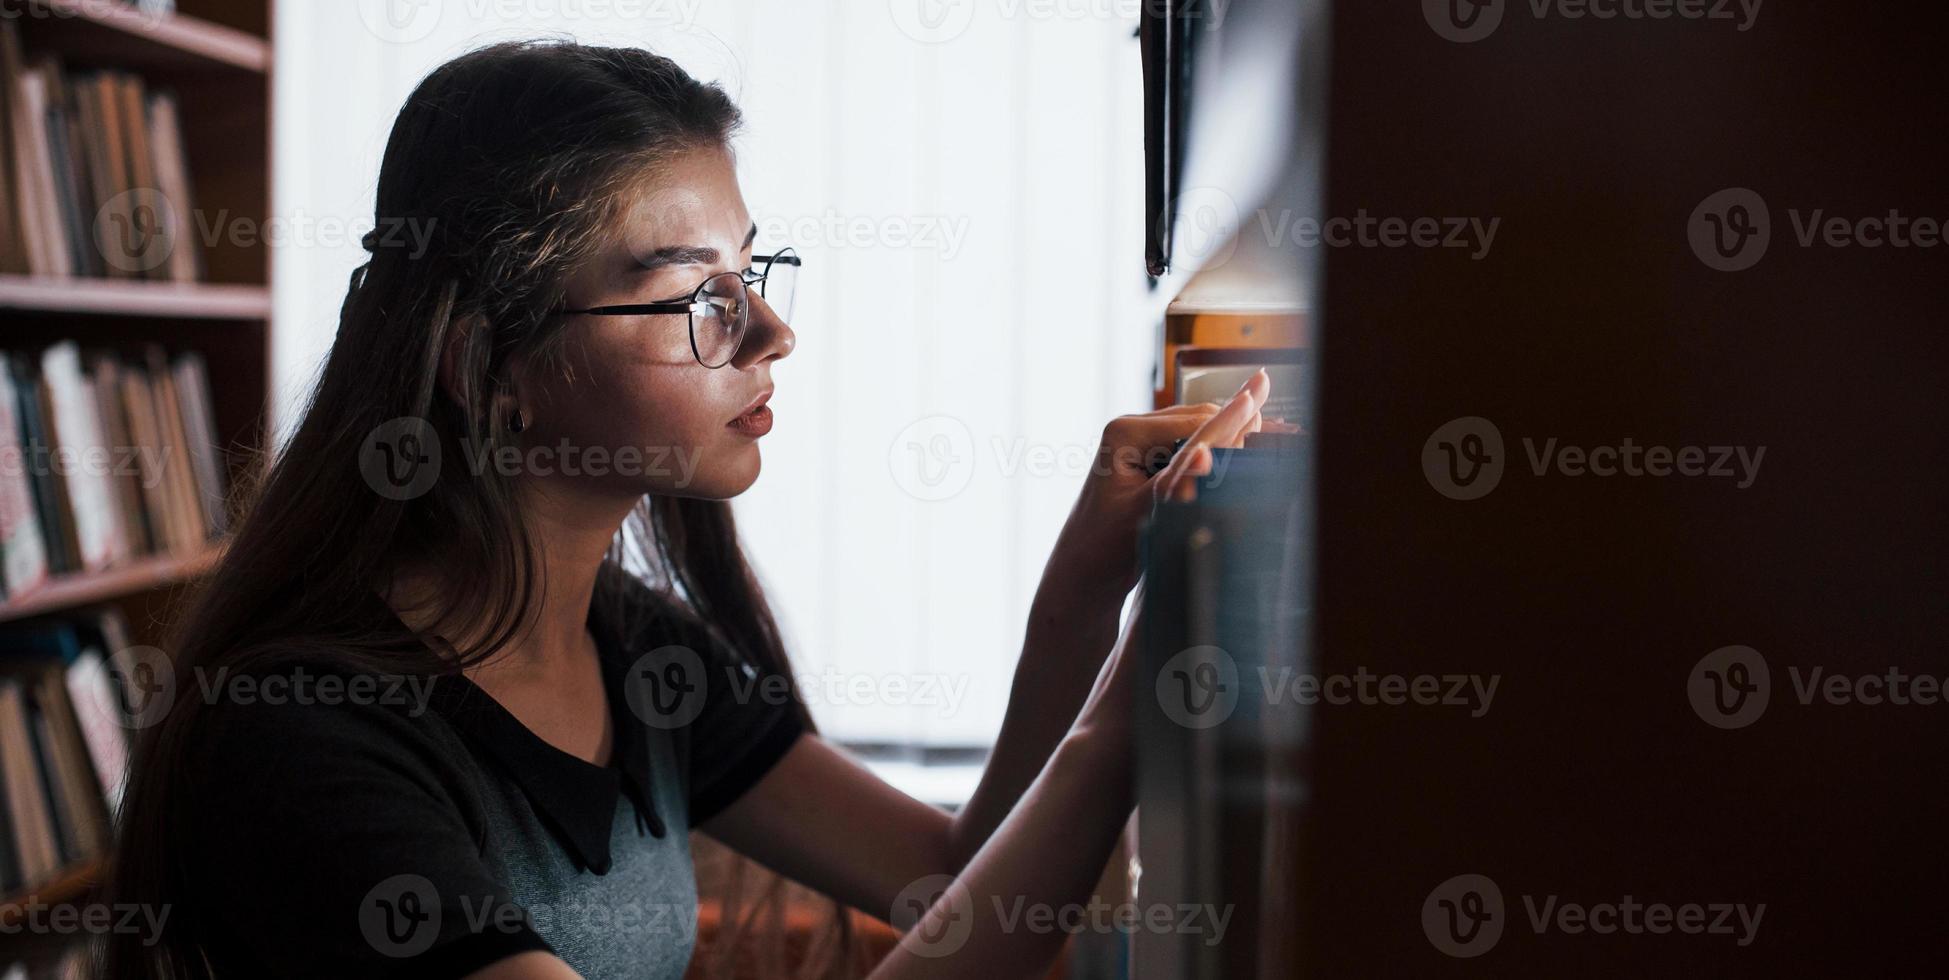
(1169, 425)
(1230, 422)
(1178, 481)
(1227, 428)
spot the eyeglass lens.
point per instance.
(723, 309)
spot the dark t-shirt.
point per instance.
(342, 824)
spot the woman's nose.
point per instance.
(766, 336)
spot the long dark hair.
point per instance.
(507, 164)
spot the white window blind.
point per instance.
(964, 182)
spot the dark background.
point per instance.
(1592, 321)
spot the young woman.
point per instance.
(484, 648)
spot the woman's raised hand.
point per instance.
(1096, 553)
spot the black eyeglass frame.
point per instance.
(786, 256)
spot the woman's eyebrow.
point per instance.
(670, 255)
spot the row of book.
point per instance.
(63, 744)
(103, 459)
(94, 180)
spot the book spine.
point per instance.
(23, 556)
(13, 254)
(78, 431)
(33, 829)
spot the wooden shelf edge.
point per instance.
(71, 884)
(179, 32)
(64, 592)
(183, 300)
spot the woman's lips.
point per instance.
(756, 420)
(754, 423)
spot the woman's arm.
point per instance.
(823, 820)
(1043, 861)
(995, 919)
(1073, 619)
(1071, 627)
(528, 966)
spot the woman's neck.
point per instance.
(571, 534)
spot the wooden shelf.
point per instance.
(66, 592)
(73, 884)
(134, 297)
(102, 33)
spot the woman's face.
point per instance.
(634, 392)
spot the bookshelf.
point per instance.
(73, 884)
(144, 575)
(171, 300)
(215, 57)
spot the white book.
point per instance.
(98, 525)
(97, 709)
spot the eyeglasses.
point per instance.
(720, 307)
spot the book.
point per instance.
(72, 713)
(70, 207)
(57, 530)
(61, 821)
(13, 254)
(186, 513)
(77, 145)
(172, 178)
(80, 163)
(130, 103)
(72, 773)
(34, 838)
(1214, 374)
(11, 876)
(98, 711)
(199, 424)
(85, 90)
(105, 380)
(47, 249)
(1188, 324)
(23, 556)
(103, 460)
(77, 431)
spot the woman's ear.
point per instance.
(463, 372)
(457, 375)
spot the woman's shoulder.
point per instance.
(292, 720)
